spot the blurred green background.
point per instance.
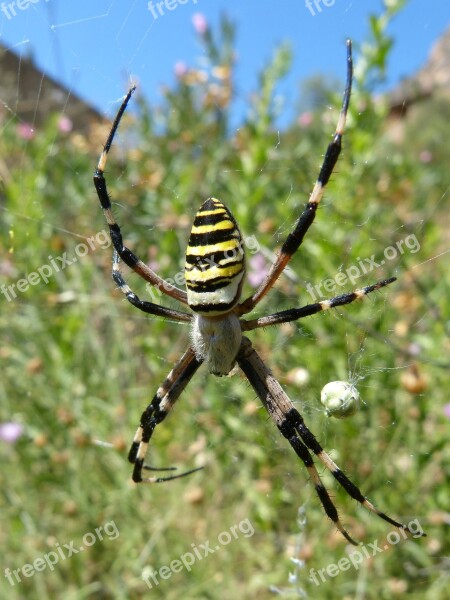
(79, 364)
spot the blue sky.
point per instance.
(95, 47)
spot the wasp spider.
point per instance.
(214, 272)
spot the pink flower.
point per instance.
(65, 124)
(25, 131)
(180, 69)
(10, 432)
(305, 119)
(258, 269)
(447, 410)
(425, 156)
(200, 23)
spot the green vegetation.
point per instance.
(78, 363)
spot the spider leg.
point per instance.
(294, 239)
(128, 257)
(147, 307)
(291, 424)
(293, 314)
(163, 401)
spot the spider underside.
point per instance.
(214, 270)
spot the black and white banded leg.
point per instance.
(156, 412)
(293, 314)
(291, 424)
(295, 239)
(147, 307)
(128, 257)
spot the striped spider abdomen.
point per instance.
(215, 261)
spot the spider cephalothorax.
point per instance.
(214, 271)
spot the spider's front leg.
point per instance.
(304, 222)
(128, 257)
(163, 401)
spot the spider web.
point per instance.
(95, 50)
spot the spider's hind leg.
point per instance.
(279, 406)
(160, 406)
(291, 424)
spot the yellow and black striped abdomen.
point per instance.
(215, 263)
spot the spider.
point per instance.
(214, 272)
